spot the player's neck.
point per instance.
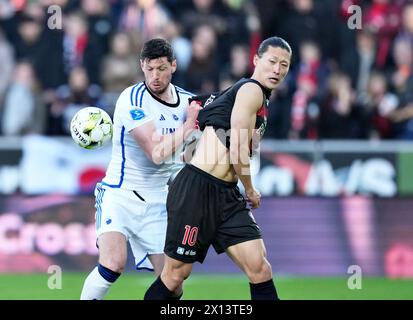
(168, 95)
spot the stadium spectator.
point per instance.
(119, 68)
(147, 17)
(33, 42)
(75, 40)
(81, 48)
(90, 25)
(310, 76)
(402, 117)
(406, 32)
(376, 107)
(337, 119)
(172, 32)
(243, 25)
(304, 109)
(202, 73)
(216, 15)
(6, 64)
(99, 30)
(271, 20)
(402, 79)
(403, 63)
(23, 110)
(239, 64)
(383, 19)
(359, 61)
(311, 23)
(70, 98)
(202, 12)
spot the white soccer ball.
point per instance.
(91, 128)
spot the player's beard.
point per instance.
(160, 91)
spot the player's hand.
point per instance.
(192, 112)
(253, 198)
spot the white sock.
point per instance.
(95, 286)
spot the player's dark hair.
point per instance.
(275, 42)
(157, 48)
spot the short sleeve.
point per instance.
(130, 115)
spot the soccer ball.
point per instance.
(91, 127)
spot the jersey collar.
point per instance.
(171, 105)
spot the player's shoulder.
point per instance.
(248, 84)
(132, 92)
(250, 90)
(183, 92)
(249, 93)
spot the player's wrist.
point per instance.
(189, 126)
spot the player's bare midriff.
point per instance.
(213, 157)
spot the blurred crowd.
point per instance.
(344, 83)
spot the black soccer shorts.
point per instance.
(204, 210)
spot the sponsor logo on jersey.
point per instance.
(168, 130)
(137, 114)
(261, 129)
(108, 221)
(210, 99)
(175, 117)
(162, 118)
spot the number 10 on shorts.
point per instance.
(190, 235)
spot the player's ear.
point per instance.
(255, 60)
(141, 63)
(173, 64)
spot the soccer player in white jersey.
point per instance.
(152, 119)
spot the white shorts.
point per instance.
(142, 221)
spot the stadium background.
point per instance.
(335, 166)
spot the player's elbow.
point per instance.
(238, 154)
(158, 160)
(234, 154)
(155, 157)
(153, 154)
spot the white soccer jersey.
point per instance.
(129, 167)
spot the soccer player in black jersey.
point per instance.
(205, 206)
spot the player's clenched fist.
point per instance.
(253, 198)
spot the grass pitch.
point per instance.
(132, 286)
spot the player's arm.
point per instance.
(189, 149)
(158, 148)
(248, 101)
